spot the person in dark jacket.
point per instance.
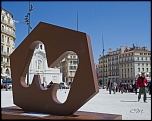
(110, 84)
(142, 83)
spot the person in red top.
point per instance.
(142, 83)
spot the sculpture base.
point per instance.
(15, 112)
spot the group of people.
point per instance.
(113, 86)
(140, 84)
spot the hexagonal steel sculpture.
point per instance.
(59, 42)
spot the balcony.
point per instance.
(2, 62)
(9, 24)
(9, 44)
(5, 63)
(5, 53)
(8, 33)
(2, 40)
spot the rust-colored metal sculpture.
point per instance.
(59, 42)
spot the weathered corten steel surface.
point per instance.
(58, 42)
(15, 112)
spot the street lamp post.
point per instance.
(27, 20)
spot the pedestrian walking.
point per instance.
(110, 86)
(114, 85)
(142, 83)
(121, 88)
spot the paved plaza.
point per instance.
(125, 104)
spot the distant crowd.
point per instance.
(112, 86)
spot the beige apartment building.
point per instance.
(7, 41)
(103, 70)
(133, 61)
(125, 65)
(69, 66)
(110, 70)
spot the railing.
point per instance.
(7, 64)
(4, 21)
(5, 53)
(2, 62)
(9, 44)
(8, 32)
(2, 40)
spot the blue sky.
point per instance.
(120, 23)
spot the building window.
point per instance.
(141, 58)
(71, 67)
(137, 58)
(75, 67)
(142, 64)
(143, 69)
(8, 41)
(8, 21)
(147, 69)
(138, 69)
(146, 58)
(2, 48)
(138, 64)
(2, 28)
(7, 60)
(146, 64)
(2, 38)
(70, 62)
(75, 62)
(7, 49)
(2, 18)
(1, 59)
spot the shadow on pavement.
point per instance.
(127, 101)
